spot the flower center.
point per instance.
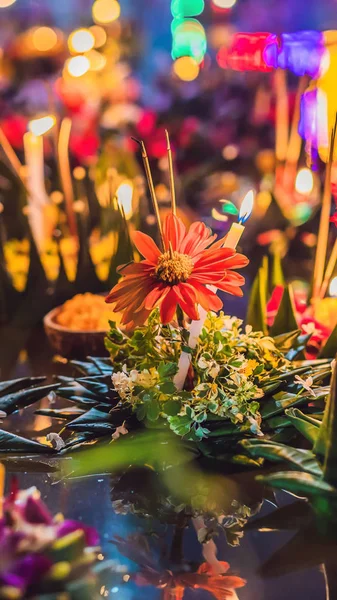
(173, 267)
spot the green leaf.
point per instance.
(285, 319)
(299, 459)
(15, 385)
(257, 306)
(330, 348)
(180, 425)
(229, 208)
(153, 410)
(15, 443)
(277, 276)
(303, 484)
(326, 442)
(168, 387)
(308, 426)
(12, 402)
(167, 370)
(171, 407)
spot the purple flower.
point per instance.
(91, 535)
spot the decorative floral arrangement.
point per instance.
(42, 554)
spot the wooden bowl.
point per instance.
(70, 343)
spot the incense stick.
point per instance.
(151, 187)
(295, 140)
(65, 173)
(171, 171)
(323, 233)
(10, 155)
(329, 270)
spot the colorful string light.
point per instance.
(188, 37)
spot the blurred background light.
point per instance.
(186, 68)
(5, 3)
(124, 197)
(224, 3)
(44, 38)
(187, 8)
(78, 66)
(105, 11)
(99, 34)
(81, 40)
(304, 181)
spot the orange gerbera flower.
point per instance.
(179, 275)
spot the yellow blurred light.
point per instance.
(99, 34)
(124, 196)
(105, 11)
(5, 3)
(81, 40)
(333, 287)
(43, 125)
(78, 66)
(218, 216)
(44, 39)
(97, 60)
(79, 173)
(186, 68)
(224, 3)
(304, 181)
(230, 152)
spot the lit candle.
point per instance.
(38, 198)
(231, 241)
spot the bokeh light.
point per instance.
(124, 197)
(97, 60)
(81, 40)
(5, 3)
(224, 3)
(99, 34)
(78, 66)
(43, 125)
(186, 68)
(44, 39)
(333, 287)
(187, 8)
(304, 181)
(105, 11)
(189, 39)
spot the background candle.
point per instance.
(38, 198)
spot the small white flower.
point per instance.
(3, 414)
(309, 328)
(56, 441)
(306, 384)
(229, 322)
(122, 383)
(248, 329)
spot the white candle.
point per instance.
(38, 197)
(231, 241)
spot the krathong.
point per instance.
(179, 275)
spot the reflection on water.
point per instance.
(171, 552)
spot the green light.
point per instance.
(187, 8)
(189, 39)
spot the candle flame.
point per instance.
(41, 126)
(304, 182)
(333, 287)
(246, 207)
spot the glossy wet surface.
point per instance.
(145, 527)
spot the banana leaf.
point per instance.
(298, 459)
(86, 367)
(88, 418)
(14, 385)
(326, 442)
(9, 442)
(12, 402)
(304, 484)
(285, 319)
(61, 413)
(257, 305)
(305, 424)
(330, 348)
(277, 275)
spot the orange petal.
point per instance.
(208, 299)
(146, 246)
(174, 231)
(168, 307)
